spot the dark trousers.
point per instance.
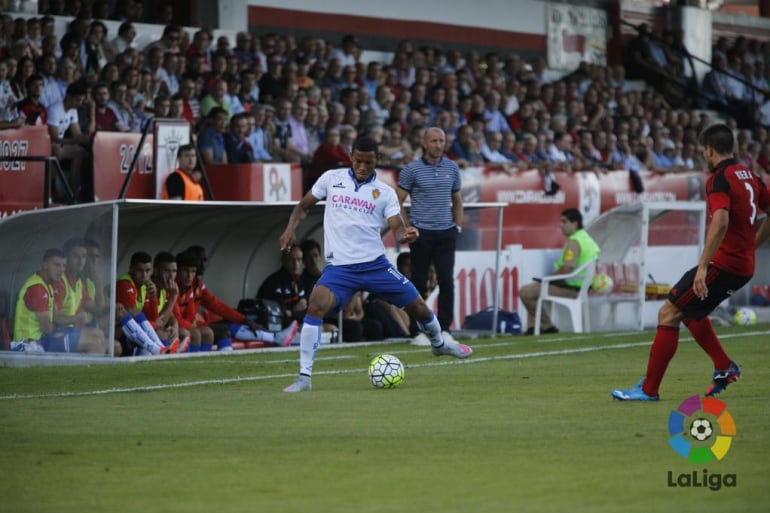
(436, 247)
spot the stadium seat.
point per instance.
(578, 306)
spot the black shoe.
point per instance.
(530, 331)
(552, 329)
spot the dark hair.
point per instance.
(308, 245)
(216, 110)
(199, 253)
(141, 257)
(91, 243)
(164, 257)
(183, 148)
(53, 252)
(35, 77)
(74, 242)
(573, 215)
(719, 137)
(125, 27)
(366, 144)
(78, 88)
(186, 259)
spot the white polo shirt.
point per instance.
(354, 215)
(58, 117)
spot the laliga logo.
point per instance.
(702, 431)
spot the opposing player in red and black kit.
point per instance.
(735, 197)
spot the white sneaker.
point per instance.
(421, 340)
(301, 385)
(452, 349)
(286, 336)
(226, 349)
(25, 346)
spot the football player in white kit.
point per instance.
(356, 205)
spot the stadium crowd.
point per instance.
(271, 98)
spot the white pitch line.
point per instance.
(521, 356)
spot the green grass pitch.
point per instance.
(526, 425)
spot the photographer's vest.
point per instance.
(26, 325)
(192, 190)
(589, 250)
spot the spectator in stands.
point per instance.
(237, 146)
(185, 182)
(283, 148)
(31, 108)
(169, 41)
(192, 107)
(258, 138)
(216, 98)
(287, 286)
(243, 51)
(271, 85)
(579, 249)
(330, 155)
(9, 114)
(211, 142)
(493, 116)
(168, 73)
(490, 150)
(95, 47)
(51, 92)
(36, 308)
(464, 150)
(299, 135)
(348, 52)
(68, 144)
(348, 136)
(394, 150)
(105, 117)
(127, 118)
(124, 39)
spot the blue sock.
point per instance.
(194, 348)
(206, 347)
(225, 342)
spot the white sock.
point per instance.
(136, 334)
(245, 333)
(147, 327)
(433, 330)
(309, 340)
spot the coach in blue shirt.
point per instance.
(435, 186)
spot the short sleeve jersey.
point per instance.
(734, 187)
(354, 215)
(61, 118)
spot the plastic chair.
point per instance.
(577, 306)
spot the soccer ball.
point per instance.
(386, 371)
(745, 317)
(602, 283)
(700, 429)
